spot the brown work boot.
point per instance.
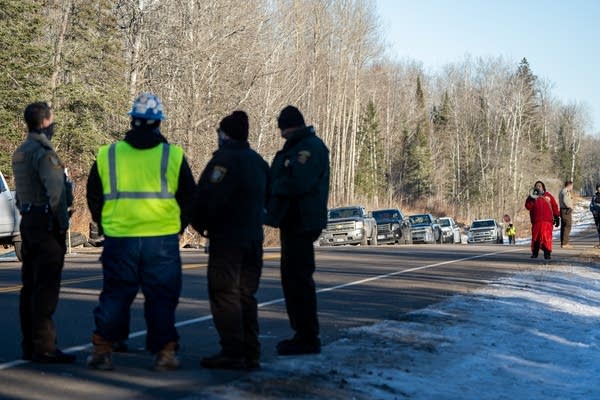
(166, 359)
(101, 357)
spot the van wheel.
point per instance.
(18, 250)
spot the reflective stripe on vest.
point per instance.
(164, 189)
(139, 187)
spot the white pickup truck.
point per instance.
(10, 218)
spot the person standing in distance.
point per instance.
(139, 191)
(565, 201)
(229, 209)
(595, 209)
(543, 212)
(298, 206)
(43, 198)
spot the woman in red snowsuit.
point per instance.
(543, 212)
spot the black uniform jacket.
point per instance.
(231, 194)
(300, 183)
(144, 138)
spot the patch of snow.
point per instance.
(533, 335)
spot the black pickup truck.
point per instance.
(392, 226)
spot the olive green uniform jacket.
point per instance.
(40, 179)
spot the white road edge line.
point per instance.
(192, 321)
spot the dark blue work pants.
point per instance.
(128, 264)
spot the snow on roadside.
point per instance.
(530, 336)
(534, 335)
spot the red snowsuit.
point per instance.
(542, 211)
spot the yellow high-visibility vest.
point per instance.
(139, 187)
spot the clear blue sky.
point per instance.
(560, 39)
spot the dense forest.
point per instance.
(468, 141)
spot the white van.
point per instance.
(10, 218)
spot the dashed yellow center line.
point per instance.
(10, 289)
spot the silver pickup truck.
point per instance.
(424, 229)
(485, 230)
(10, 218)
(349, 225)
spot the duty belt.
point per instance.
(34, 209)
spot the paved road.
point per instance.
(357, 286)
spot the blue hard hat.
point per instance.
(147, 106)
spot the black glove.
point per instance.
(556, 221)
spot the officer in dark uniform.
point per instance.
(229, 209)
(298, 206)
(43, 197)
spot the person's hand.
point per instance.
(556, 221)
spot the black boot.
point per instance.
(223, 361)
(299, 345)
(535, 250)
(53, 357)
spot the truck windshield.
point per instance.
(344, 213)
(386, 214)
(483, 224)
(444, 222)
(420, 219)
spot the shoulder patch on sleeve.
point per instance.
(217, 174)
(18, 157)
(303, 156)
(55, 161)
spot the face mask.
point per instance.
(221, 138)
(48, 131)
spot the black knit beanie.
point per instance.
(290, 117)
(235, 125)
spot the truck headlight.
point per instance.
(359, 224)
(395, 227)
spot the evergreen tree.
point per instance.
(90, 91)
(418, 171)
(370, 175)
(23, 72)
(441, 114)
(528, 83)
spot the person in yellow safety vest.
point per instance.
(140, 192)
(511, 232)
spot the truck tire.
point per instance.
(438, 237)
(365, 239)
(18, 249)
(374, 241)
(407, 237)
